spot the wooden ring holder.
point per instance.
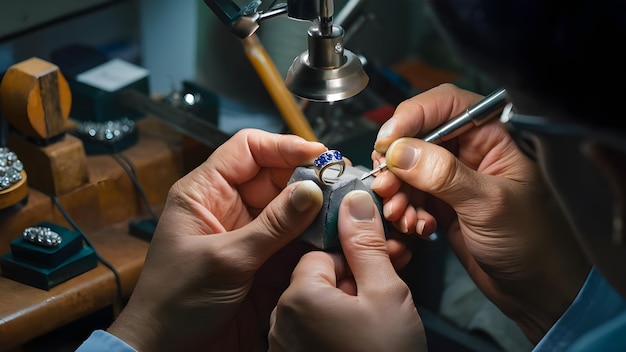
(36, 101)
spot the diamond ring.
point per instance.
(42, 236)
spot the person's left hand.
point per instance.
(220, 224)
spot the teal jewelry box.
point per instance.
(47, 257)
(45, 267)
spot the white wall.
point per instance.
(110, 28)
(168, 42)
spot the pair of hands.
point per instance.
(224, 252)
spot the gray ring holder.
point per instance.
(323, 232)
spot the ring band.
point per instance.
(42, 236)
(330, 166)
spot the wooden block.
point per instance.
(81, 204)
(36, 98)
(116, 196)
(156, 167)
(54, 169)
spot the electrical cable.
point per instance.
(128, 167)
(71, 221)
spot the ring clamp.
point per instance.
(330, 166)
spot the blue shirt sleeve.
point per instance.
(102, 341)
(596, 305)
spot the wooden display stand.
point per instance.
(36, 101)
(54, 169)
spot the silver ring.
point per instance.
(43, 236)
(330, 166)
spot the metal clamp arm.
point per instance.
(227, 11)
(243, 22)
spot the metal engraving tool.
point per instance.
(476, 115)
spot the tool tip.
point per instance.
(375, 170)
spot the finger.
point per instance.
(416, 220)
(348, 286)
(241, 157)
(287, 216)
(398, 253)
(319, 269)
(433, 169)
(396, 206)
(396, 247)
(397, 203)
(426, 223)
(424, 112)
(362, 239)
(273, 317)
(405, 223)
(401, 261)
(313, 287)
(377, 159)
(322, 271)
(386, 184)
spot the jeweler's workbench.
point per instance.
(102, 209)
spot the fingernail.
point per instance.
(382, 138)
(404, 226)
(419, 228)
(401, 156)
(361, 205)
(386, 129)
(305, 195)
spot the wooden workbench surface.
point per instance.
(28, 312)
(102, 209)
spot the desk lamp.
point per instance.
(326, 72)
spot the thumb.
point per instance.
(363, 243)
(433, 169)
(281, 221)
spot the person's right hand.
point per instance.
(489, 200)
(350, 302)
